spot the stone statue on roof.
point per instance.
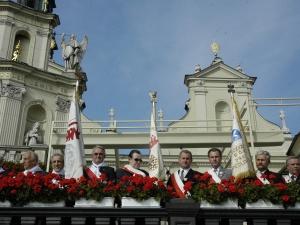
(73, 51)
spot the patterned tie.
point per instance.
(182, 175)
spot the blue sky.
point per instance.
(136, 46)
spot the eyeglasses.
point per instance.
(95, 154)
(138, 160)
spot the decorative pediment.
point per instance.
(219, 71)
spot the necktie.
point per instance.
(182, 175)
(97, 170)
(293, 178)
(216, 171)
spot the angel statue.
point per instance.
(73, 52)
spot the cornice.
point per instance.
(20, 12)
(36, 74)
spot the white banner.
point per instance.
(156, 163)
(74, 152)
(241, 163)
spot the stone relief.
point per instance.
(12, 91)
(62, 104)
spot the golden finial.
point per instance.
(215, 47)
(17, 53)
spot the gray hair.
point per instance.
(100, 147)
(265, 153)
(33, 156)
(289, 158)
(57, 154)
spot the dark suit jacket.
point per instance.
(120, 173)
(188, 177)
(278, 178)
(107, 170)
(224, 173)
(44, 173)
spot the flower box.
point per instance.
(296, 207)
(106, 202)
(44, 204)
(229, 204)
(128, 202)
(5, 204)
(261, 204)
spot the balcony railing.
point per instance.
(177, 212)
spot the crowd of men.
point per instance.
(176, 180)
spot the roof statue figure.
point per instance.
(73, 52)
(40, 5)
(17, 52)
(215, 48)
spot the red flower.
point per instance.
(13, 192)
(203, 186)
(257, 183)
(241, 191)
(188, 186)
(264, 176)
(221, 188)
(130, 188)
(272, 176)
(205, 177)
(285, 198)
(81, 192)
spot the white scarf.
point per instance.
(95, 168)
(214, 175)
(34, 169)
(135, 171)
(61, 172)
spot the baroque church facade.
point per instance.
(35, 89)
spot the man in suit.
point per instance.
(30, 160)
(293, 166)
(133, 166)
(98, 166)
(217, 171)
(263, 159)
(184, 174)
(57, 163)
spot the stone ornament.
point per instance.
(62, 104)
(33, 136)
(12, 91)
(73, 51)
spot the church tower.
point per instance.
(33, 89)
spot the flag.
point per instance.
(241, 162)
(74, 152)
(156, 163)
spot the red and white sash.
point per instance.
(215, 177)
(133, 171)
(178, 185)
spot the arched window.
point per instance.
(24, 39)
(223, 112)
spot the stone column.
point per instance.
(10, 101)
